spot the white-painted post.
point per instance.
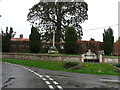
(82, 57)
(100, 57)
(53, 38)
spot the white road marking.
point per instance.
(38, 74)
(55, 82)
(47, 82)
(51, 79)
(59, 87)
(44, 79)
(51, 87)
(31, 70)
(47, 76)
(108, 80)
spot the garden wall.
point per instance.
(111, 59)
(42, 57)
(55, 57)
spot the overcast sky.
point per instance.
(101, 14)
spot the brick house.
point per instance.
(21, 44)
(116, 49)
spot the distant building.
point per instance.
(21, 44)
(20, 38)
(116, 49)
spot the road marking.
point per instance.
(47, 76)
(38, 74)
(51, 87)
(108, 80)
(32, 71)
(51, 79)
(59, 87)
(55, 82)
(47, 82)
(44, 79)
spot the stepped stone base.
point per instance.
(53, 50)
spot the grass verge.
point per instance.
(51, 54)
(110, 56)
(88, 68)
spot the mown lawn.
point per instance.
(88, 68)
(110, 56)
(52, 54)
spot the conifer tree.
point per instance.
(6, 37)
(35, 41)
(108, 40)
(70, 41)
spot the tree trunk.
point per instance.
(58, 29)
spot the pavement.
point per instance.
(18, 76)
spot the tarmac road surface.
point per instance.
(18, 76)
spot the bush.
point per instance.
(117, 65)
(70, 64)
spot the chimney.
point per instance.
(21, 36)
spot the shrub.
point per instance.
(70, 64)
(117, 65)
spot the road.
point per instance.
(17, 76)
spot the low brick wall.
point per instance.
(55, 57)
(42, 57)
(111, 59)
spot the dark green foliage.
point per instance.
(35, 41)
(57, 16)
(70, 64)
(70, 41)
(117, 65)
(108, 40)
(118, 41)
(6, 37)
(92, 39)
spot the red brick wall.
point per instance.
(116, 49)
(95, 46)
